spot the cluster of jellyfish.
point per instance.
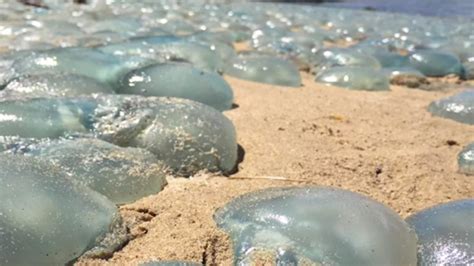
(99, 103)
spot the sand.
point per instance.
(382, 144)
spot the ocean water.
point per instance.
(441, 8)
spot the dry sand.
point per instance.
(382, 144)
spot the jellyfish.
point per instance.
(315, 225)
(46, 219)
(167, 80)
(445, 233)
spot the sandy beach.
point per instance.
(384, 145)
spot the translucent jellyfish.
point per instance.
(466, 160)
(41, 118)
(139, 46)
(88, 62)
(179, 27)
(436, 63)
(356, 78)
(265, 69)
(121, 174)
(402, 71)
(53, 85)
(468, 70)
(201, 56)
(126, 26)
(6, 66)
(282, 41)
(445, 233)
(57, 27)
(408, 77)
(373, 46)
(221, 42)
(167, 80)
(239, 32)
(47, 34)
(48, 220)
(390, 59)
(187, 136)
(100, 38)
(460, 46)
(333, 57)
(315, 225)
(459, 107)
(213, 36)
(169, 47)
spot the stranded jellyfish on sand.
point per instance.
(46, 219)
(459, 107)
(121, 174)
(167, 80)
(321, 225)
(445, 233)
(185, 135)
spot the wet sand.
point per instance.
(382, 144)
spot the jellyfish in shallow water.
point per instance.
(436, 63)
(328, 226)
(355, 78)
(466, 160)
(459, 107)
(46, 219)
(121, 174)
(179, 80)
(445, 233)
(264, 69)
(53, 85)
